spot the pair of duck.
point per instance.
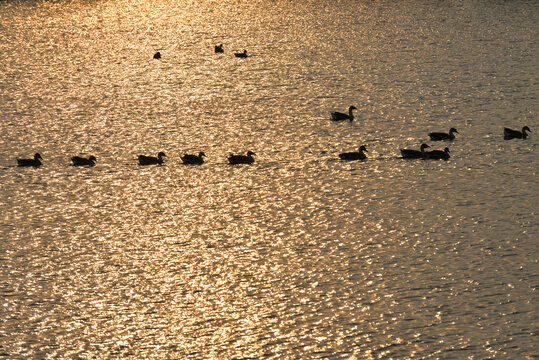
(422, 154)
(339, 116)
(190, 159)
(508, 134)
(219, 50)
(434, 154)
(77, 161)
(435, 136)
(406, 154)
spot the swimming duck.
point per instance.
(438, 154)
(30, 162)
(339, 116)
(219, 48)
(437, 136)
(414, 154)
(81, 161)
(157, 55)
(241, 55)
(354, 155)
(190, 159)
(509, 134)
(241, 159)
(149, 160)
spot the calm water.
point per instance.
(299, 255)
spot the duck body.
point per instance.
(359, 155)
(438, 154)
(82, 161)
(219, 49)
(439, 136)
(241, 159)
(190, 159)
(339, 116)
(30, 162)
(509, 134)
(414, 154)
(150, 160)
(242, 54)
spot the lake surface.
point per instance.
(299, 255)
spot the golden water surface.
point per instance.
(299, 255)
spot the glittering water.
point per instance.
(299, 255)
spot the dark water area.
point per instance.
(299, 255)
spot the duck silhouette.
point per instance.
(437, 136)
(339, 116)
(359, 155)
(150, 160)
(414, 154)
(190, 159)
(242, 54)
(509, 134)
(82, 161)
(438, 154)
(30, 162)
(241, 159)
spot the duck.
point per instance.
(190, 159)
(509, 134)
(219, 49)
(30, 162)
(81, 161)
(157, 55)
(438, 154)
(438, 136)
(241, 159)
(339, 116)
(414, 154)
(150, 160)
(241, 55)
(359, 155)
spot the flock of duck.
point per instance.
(218, 49)
(190, 159)
(508, 134)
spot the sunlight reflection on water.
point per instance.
(299, 255)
